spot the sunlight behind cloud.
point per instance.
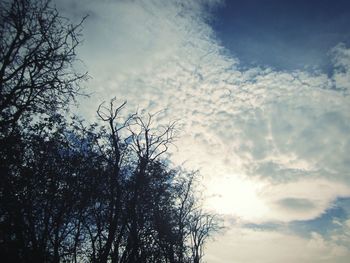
(236, 196)
(260, 202)
(272, 146)
(271, 126)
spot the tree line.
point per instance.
(73, 192)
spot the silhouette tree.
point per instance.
(76, 193)
(71, 192)
(201, 226)
(37, 53)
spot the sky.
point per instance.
(260, 90)
(283, 34)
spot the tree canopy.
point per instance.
(73, 192)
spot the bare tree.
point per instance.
(116, 124)
(201, 226)
(37, 56)
(136, 136)
(150, 142)
(73, 193)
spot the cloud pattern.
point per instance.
(272, 145)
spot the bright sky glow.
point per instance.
(261, 90)
(232, 195)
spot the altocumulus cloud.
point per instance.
(272, 145)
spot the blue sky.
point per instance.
(283, 34)
(262, 92)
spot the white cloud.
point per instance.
(256, 246)
(261, 202)
(341, 60)
(305, 199)
(271, 145)
(263, 125)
